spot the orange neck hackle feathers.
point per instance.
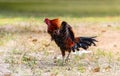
(53, 24)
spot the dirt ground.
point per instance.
(24, 51)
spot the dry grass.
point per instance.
(24, 48)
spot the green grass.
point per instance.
(37, 20)
(14, 11)
(52, 8)
(38, 58)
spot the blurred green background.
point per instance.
(53, 8)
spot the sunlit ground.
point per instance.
(24, 52)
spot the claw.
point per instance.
(67, 59)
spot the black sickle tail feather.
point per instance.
(85, 43)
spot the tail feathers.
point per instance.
(88, 40)
(84, 42)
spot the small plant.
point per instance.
(55, 72)
(1, 42)
(83, 56)
(76, 58)
(29, 60)
(46, 53)
(110, 56)
(5, 37)
(16, 51)
(100, 52)
(118, 58)
(81, 68)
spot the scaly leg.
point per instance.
(67, 58)
(63, 55)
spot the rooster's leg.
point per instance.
(67, 58)
(63, 55)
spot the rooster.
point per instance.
(64, 37)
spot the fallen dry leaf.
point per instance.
(108, 25)
(103, 31)
(53, 75)
(96, 69)
(34, 40)
(107, 68)
(46, 45)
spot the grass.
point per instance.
(29, 50)
(53, 8)
(35, 58)
(5, 37)
(36, 20)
